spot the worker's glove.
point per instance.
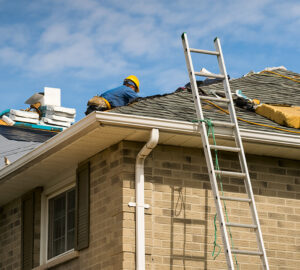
(96, 101)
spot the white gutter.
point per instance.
(183, 127)
(139, 194)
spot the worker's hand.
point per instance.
(96, 100)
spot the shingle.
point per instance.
(267, 87)
(25, 134)
(15, 142)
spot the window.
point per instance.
(61, 223)
(64, 217)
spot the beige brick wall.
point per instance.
(179, 225)
(10, 236)
(105, 249)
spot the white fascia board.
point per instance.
(142, 122)
(95, 119)
(182, 127)
(270, 137)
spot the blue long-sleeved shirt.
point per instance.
(119, 96)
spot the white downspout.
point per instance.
(139, 193)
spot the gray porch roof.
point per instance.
(16, 142)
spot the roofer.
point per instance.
(116, 97)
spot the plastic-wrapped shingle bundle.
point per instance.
(56, 115)
(48, 112)
(24, 116)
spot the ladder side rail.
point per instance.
(207, 152)
(189, 63)
(242, 157)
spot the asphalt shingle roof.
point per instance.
(265, 86)
(16, 142)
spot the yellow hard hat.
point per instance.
(135, 80)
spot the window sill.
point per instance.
(59, 260)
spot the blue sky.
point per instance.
(85, 47)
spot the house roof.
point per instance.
(16, 142)
(57, 158)
(278, 86)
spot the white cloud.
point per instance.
(56, 34)
(169, 80)
(114, 35)
(15, 35)
(11, 57)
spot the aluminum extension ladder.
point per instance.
(213, 172)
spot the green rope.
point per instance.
(210, 129)
(215, 241)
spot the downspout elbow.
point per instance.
(151, 144)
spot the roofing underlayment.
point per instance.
(278, 86)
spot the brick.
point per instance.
(171, 165)
(284, 209)
(179, 224)
(277, 186)
(295, 218)
(162, 172)
(288, 163)
(295, 188)
(294, 172)
(195, 168)
(277, 171)
(181, 174)
(172, 181)
(10, 236)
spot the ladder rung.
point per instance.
(246, 252)
(250, 226)
(235, 199)
(215, 99)
(204, 51)
(223, 124)
(234, 174)
(210, 75)
(225, 148)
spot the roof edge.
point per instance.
(46, 148)
(95, 119)
(184, 127)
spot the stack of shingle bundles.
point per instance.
(59, 116)
(24, 116)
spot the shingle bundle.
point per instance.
(24, 116)
(58, 116)
(48, 112)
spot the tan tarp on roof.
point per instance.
(283, 115)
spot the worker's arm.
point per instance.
(131, 95)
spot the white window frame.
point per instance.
(47, 194)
